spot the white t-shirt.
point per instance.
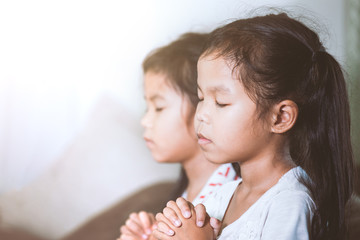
(283, 212)
(223, 174)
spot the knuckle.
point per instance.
(122, 229)
(158, 216)
(155, 233)
(161, 226)
(128, 222)
(200, 207)
(166, 210)
(142, 213)
(170, 203)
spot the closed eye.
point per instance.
(221, 105)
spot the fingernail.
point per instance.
(177, 223)
(148, 231)
(144, 236)
(187, 214)
(171, 232)
(200, 223)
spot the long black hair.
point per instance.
(280, 58)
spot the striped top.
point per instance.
(223, 174)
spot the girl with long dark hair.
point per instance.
(275, 101)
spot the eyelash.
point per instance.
(220, 104)
(216, 102)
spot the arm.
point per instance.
(181, 220)
(138, 226)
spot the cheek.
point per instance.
(232, 127)
(169, 123)
(196, 124)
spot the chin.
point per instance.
(166, 160)
(213, 158)
(161, 159)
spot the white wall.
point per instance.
(71, 97)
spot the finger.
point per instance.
(147, 221)
(170, 214)
(135, 228)
(177, 211)
(200, 215)
(164, 228)
(135, 217)
(185, 207)
(216, 225)
(125, 230)
(160, 235)
(153, 220)
(142, 220)
(163, 225)
(127, 237)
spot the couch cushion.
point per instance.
(106, 225)
(12, 234)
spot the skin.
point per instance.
(138, 226)
(169, 129)
(206, 231)
(229, 130)
(166, 131)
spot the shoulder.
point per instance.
(288, 216)
(295, 201)
(290, 193)
(288, 211)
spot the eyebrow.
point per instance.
(156, 96)
(219, 89)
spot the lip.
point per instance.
(202, 140)
(149, 142)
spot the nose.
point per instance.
(201, 114)
(146, 120)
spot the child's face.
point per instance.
(226, 118)
(167, 133)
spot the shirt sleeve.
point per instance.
(288, 217)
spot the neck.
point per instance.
(198, 170)
(265, 170)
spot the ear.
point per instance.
(284, 116)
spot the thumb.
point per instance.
(216, 225)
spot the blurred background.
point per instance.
(71, 96)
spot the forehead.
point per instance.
(215, 73)
(156, 83)
(158, 89)
(155, 78)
